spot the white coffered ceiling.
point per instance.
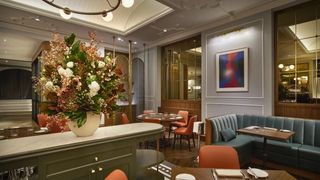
(153, 22)
(124, 20)
(17, 47)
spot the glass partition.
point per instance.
(297, 54)
(181, 70)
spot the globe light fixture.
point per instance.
(107, 17)
(65, 13)
(127, 3)
(280, 66)
(106, 14)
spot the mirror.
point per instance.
(17, 51)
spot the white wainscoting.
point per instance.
(217, 109)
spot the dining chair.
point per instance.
(185, 132)
(225, 157)
(124, 118)
(117, 175)
(180, 123)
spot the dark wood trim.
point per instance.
(208, 132)
(173, 106)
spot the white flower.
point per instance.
(101, 64)
(93, 65)
(49, 86)
(70, 64)
(67, 51)
(68, 72)
(94, 88)
(61, 71)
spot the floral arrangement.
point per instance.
(75, 79)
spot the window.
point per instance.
(298, 55)
(181, 70)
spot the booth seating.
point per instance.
(302, 150)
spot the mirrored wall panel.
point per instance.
(181, 70)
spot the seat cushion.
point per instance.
(279, 151)
(181, 131)
(227, 134)
(309, 158)
(243, 145)
(179, 124)
(309, 152)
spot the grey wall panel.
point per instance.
(255, 33)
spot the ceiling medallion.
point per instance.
(107, 15)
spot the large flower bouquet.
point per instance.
(75, 79)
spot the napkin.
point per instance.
(196, 127)
(269, 128)
(252, 127)
(229, 172)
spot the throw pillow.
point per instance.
(228, 134)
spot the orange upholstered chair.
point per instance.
(180, 123)
(116, 175)
(124, 118)
(225, 157)
(186, 132)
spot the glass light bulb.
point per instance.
(291, 67)
(108, 17)
(280, 66)
(64, 14)
(127, 3)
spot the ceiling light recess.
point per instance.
(106, 14)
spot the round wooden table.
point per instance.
(163, 117)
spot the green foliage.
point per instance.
(75, 48)
(79, 116)
(69, 40)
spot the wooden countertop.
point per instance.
(26, 146)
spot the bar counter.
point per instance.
(65, 156)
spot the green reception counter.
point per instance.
(65, 156)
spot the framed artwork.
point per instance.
(232, 70)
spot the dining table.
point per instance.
(165, 120)
(267, 133)
(163, 117)
(210, 174)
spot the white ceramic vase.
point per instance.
(88, 128)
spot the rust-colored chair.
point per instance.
(225, 157)
(186, 132)
(124, 118)
(116, 175)
(180, 123)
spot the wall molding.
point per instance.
(234, 104)
(261, 20)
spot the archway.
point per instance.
(138, 84)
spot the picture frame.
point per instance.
(232, 70)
